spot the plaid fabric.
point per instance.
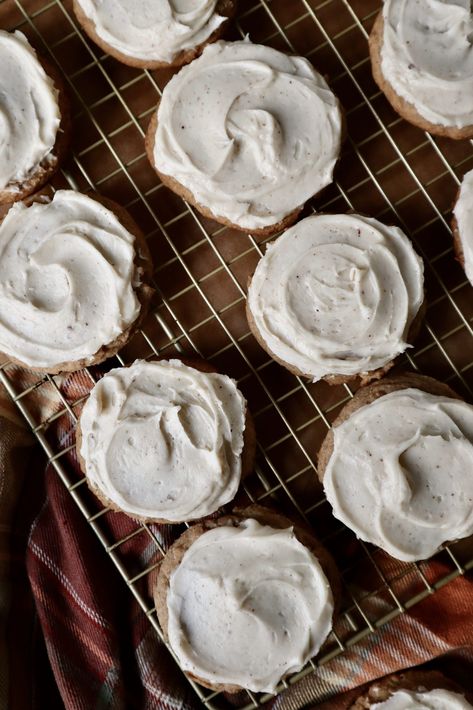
(68, 615)
(26, 679)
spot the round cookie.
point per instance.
(324, 570)
(231, 144)
(462, 220)
(35, 132)
(316, 305)
(436, 96)
(159, 42)
(58, 313)
(415, 681)
(171, 448)
(391, 465)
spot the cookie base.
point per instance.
(405, 109)
(247, 455)
(362, 378)
(224, 8)
(457, 242)
(53, 161)
(265, 516)
(370, 393)
(415, 680)
(143, 291)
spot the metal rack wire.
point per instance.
(388, 169)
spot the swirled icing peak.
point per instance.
(336, 294)
(29, 112)
(463, 212)
(67, 279)
(152, 30)
(248, 605)
(427, 57)
(250, 131)
(400, 472)
(162, 440)
(438, 699)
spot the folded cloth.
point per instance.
(102, 650)
(26, 680)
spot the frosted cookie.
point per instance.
(246, 599)
(422, 59)
(247, 134)
(154, 33)
(396, 466)
(413, 690)
(462, 225)
(336, 297)
(164, 441)
(34, 119)
(74, 275)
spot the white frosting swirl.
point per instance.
(162, 440)
(248, 605)
(427, 57)
(336, 294)
(29, 112)
(425, 700)
(250, 131)
(463, 212)
(399, 475)
(67, 280)
(152, 30)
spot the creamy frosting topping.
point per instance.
(427, 700)
(29, 112)
(400, 472)
(463, 212)
(250, 131)
(153, 30)
(248, 605)
(336, 294)
(163, 440)
(67, 280)
(427, 57)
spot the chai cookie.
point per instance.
(462, 225)
(337, 297)
(34, 119)
(413, 690)
(422, 59)
(246, 134)
(396, 466)
(246, 599)
(74, 281)
(154, 34)
(164, 441)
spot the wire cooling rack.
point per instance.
(388, 169)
